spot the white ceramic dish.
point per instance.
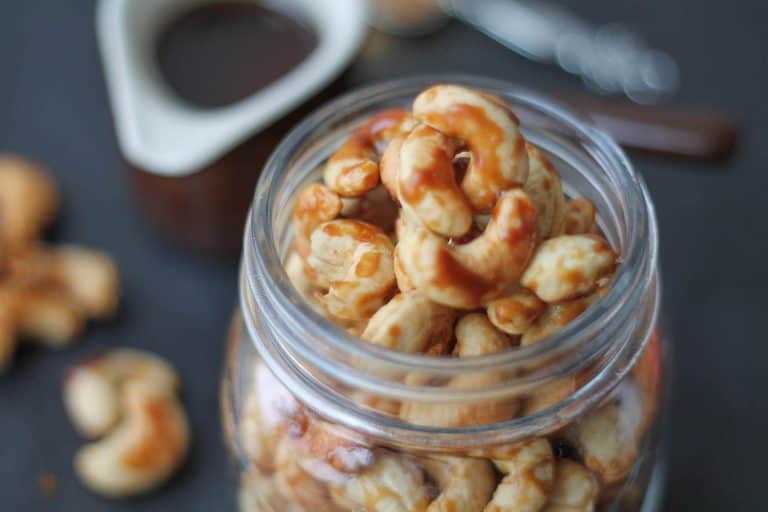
(159, 133)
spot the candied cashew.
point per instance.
(545, 192)
(314, 205)
(88, 276)
(49, 316)
(491, 132)
(47, 294)
(128, 399)
(515, 313)
(580, 216)
(567, 266)
(555, 317)
(393, 484)
(466, 484)
(410, 322)
(356, 258)
(470, 275)
(28, 202)
(529, 472)
(41, 315)
(475, 336)
(609, 437)
(353, 169)
(575, 488)
(426, 183)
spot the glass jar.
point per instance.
(313, 414)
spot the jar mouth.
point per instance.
(265, 285)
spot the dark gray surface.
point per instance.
(53, 107)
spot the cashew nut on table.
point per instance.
(47, 293)
(126, 400)
(487, 256)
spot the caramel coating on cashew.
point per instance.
(545, 192)
(128, 399)
(392, 484)
(426, 183)
(410, 322)
(28, 202)
(575, 490)
(356, 259)
(515, 313)
(580, 217)
(466, 484)
(491, 133)
(353, 169)
(568, 266)
(529, 472)
(470, 275)
(314, 205)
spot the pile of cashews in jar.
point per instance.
(441, 231)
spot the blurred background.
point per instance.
(705, 70)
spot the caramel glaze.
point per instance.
(360, 231)
(450, 273)
(159, 445)
(431, 176)
(368, 265)
(507, 310)
(483, 136)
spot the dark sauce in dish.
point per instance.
(219, 53)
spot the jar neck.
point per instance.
(325, 366)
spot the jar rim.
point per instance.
(266, 284)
